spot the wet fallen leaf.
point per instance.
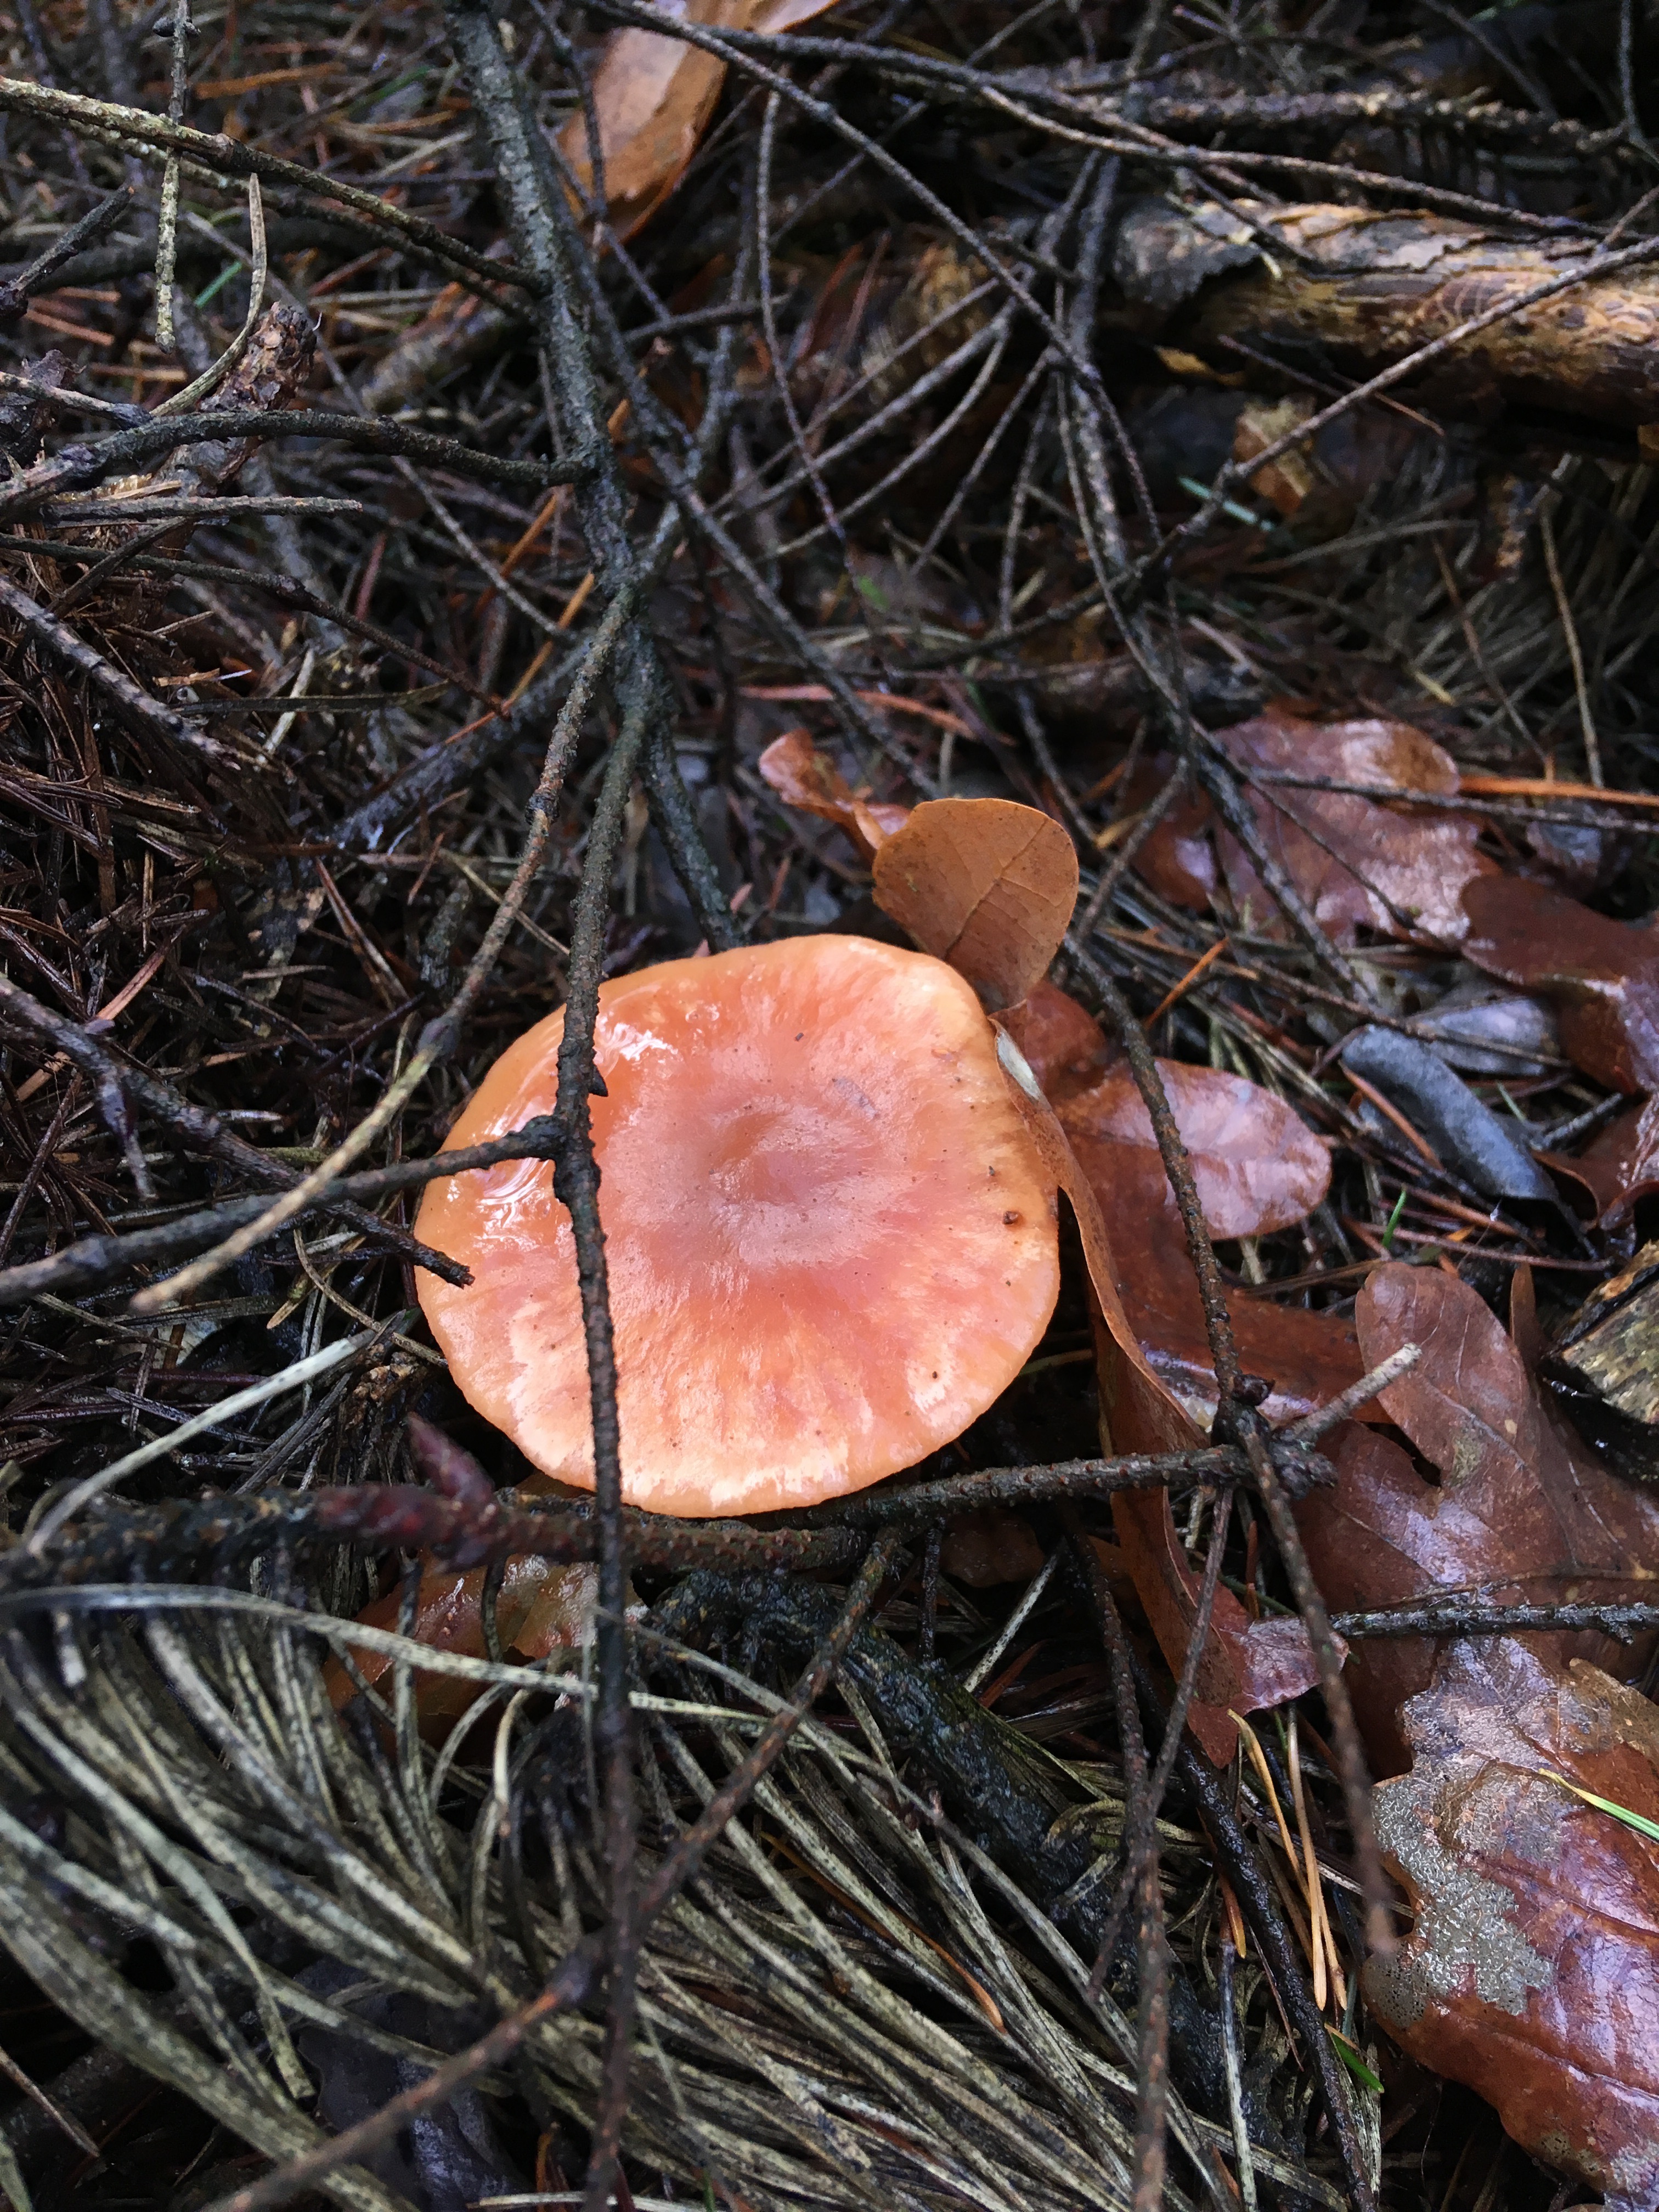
(985, 883)
(1258, 1165)
(1461, 1130)
(1484, 1030)
(1532, 1973)
(803, 776)
(1246, 1664)
(653, 96)
(1519, 1514)
(1618, 1165)
(541, 1608)
(1258, 1168)
(1601, 976)
(1065, 1046)
(1177, 857)
(1357, 862)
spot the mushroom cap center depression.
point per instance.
(828, 1238)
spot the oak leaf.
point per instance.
(1520, 1513)
(1532, 1973)
(1359, 857)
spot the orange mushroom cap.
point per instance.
(830, 1241)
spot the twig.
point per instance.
(17, 291)
(213, 376)
(218, 155)
(1324, 1418)
(78, 467)
(1453, 1616)
(166, 228)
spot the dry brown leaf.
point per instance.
(653, 96)
(986, 884)
(1519, 1514)
(1532, 1973)
(803, 776)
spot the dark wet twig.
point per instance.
(78, 467)
(1455, 1616)
(91, 1262)
(19, 1010)
(17, 291)
(219, 156)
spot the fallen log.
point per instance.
(1361, 288)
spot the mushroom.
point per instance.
(831, 1242)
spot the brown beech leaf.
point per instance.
(803, 776)
(1602, 975)
(985, 883)
(541, 1607)
(1257, 1165)
(1356, 860)
(1532, 1973)
(1246, 1664)
(653, 96)
(1520, 1512)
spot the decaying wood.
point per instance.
(1368, 286)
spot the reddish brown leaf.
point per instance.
(1065, 1046)
(541, 1608)
(985, 883)
(1177, 857)
(1257, 1165)
(1618, 1165)
(803, 776)
(1602, 975)
(1532, 1972)
(1519, 1513)
(1246, 1664)
(1355, 859)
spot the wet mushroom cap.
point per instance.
(831, 1244)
